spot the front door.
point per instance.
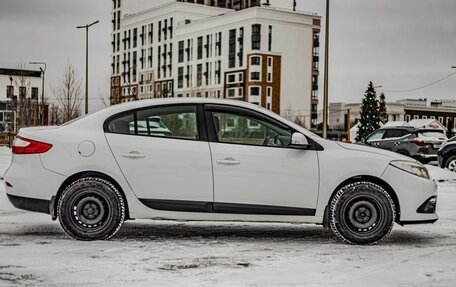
(254, 170)
(163, 157)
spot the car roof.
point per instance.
(410, 129)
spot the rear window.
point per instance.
(432, 134)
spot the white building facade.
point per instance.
(264, 55)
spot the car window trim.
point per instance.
(209, 109)
(199, 110)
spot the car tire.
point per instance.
(451, 163)
(362, 213)
(91, 208)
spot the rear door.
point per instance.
(164, 154)
(392, 139)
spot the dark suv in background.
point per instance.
(447, 155)
(419, 143)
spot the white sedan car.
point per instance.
(220, 161)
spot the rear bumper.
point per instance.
(30, 204)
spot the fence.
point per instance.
(6, 139)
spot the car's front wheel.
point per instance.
(361, 213)
(91, 209)
(451, 163)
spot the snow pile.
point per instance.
(34, 251)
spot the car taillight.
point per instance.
(420, 143)
(27, 146)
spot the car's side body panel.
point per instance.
(335, 164)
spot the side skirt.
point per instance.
(226, 208)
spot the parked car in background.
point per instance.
(215, 160)
(447, 155)
(421, 144)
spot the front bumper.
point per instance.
(412, 192)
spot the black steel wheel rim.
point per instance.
(90, 210)
(363, 215)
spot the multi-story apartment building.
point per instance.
(263, 55)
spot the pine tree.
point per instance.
(370, 113)
(382, 108)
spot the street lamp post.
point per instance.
(86, 27)
(43, 71)
(325, 95)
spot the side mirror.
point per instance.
(299, 141)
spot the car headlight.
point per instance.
(415, 168)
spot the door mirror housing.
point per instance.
(299, 141)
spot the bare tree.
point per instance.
(68, 95)
(54, 115)
(104, 97)
(23, 105)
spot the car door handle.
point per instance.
(133, 155)
(228, 161)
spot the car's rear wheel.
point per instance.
(451, 163)
(91, 209)
(361, 213)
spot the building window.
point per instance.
(232, 49)
(181, 52)
(269, 92)
(254, 91)
(200, 48)
(9, 91)
(231, 79)
(219, 44)
(208, 46)
(255, 61)
(241, 46)
(199, 75)
(254, 76)
(270, 61)
(231, 93)
(135, 37)
(151, 33)
(22, 92)
(34, 93)
(441, 120)
(180, 77)
(256, 37)
(270, 39)
(269, 77)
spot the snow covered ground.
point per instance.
(34, 251)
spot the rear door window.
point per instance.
(395, 133)
(172, 122)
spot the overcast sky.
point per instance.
(399, 44)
